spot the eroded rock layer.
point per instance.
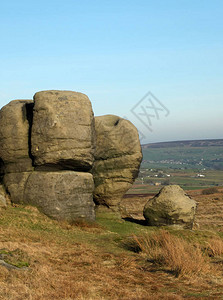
(117, 159)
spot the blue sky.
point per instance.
(116, 52)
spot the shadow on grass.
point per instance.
(136, 221)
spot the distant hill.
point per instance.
(189, 143)
(193, 154)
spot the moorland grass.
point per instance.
(94, 261)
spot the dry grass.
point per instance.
(211, 190)
(215, 247)
(179, 256)
(74, 272)
(87, 262)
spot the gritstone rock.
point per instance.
(64, 195)
(63, 131)
(171, 206)
(14, 136)
(15, 185)
(117, 159)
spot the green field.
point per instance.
(148, 181)
(191, 167)
(183, 158)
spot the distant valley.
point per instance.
(193, 154)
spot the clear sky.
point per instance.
(116, 52)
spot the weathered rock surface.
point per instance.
(117, 159)
(3, 197)
(14, 136)
(63, 130)
(15, 185)
(171, 206)
(64, 195)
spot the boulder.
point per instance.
(3, 197)
(63, 131)
(117, 159)
(15, 119)
(171, 206)
(63, 195)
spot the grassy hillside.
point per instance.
(110, 259)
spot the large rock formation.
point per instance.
(171, 206)
(63, 130)
(53, 133)
(117, 159)
(47, 150)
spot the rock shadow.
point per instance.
(136, 221)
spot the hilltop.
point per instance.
(187, 143)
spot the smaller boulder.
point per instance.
(171, 206)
